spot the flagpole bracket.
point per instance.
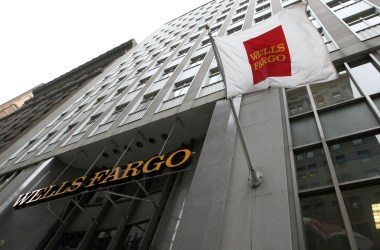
(255, 178)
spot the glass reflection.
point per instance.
(298, 101)
(367, 77)
(323, 223)
(333, 92)
(101, 239)
(363, 210)
(357, 158)
(312, 169)
(134, 236)
(69, 241)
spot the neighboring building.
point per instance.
(14, 104)
(44, 98)
(317, 146)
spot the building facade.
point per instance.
(317, 147)
(25, 111)
(12, 105)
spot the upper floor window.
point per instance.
(180, 89)
(146, 101)
(235, 29)
(197, 59)
(359, 15)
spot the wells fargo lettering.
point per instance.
(174, 161)
(267, 55)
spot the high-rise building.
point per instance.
(15, 103)
(20, 114)
(110, 168)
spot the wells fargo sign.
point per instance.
(268, 55)
(174, 161)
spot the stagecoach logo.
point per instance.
(268, 55)
(177, 160)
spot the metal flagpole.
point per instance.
(255, 176)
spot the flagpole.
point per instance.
(255, 176)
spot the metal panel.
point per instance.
(211, 88)
(167, 104)
(135, 116)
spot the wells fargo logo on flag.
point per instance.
(268, 55)
(283, 51)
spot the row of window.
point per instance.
(362, 17)
(119, 77)
(336, 146)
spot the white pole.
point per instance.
(255, 176)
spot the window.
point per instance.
(140, 70)
(262, 18)
(241, 10)
(146, 101)
(336, 146)
(340, 159)
(184, 51)
(364, 21)
(89, 123)
(193, 38)
(98, 100)
(333, 92)
(357, 141)
(262, 8)
(360, 160)
(208, 19)
(244, 2)
(299, 157)
(310, 154)
(205, 42)
(197, 59)
(161, 61)
(184, 35)
(360, 16)
(139, 86)
(237, 19)
(226, 11)
(221, 18)
(336, 95)
(261, 1)
(121, 79)
(145, 80)
(173, 46)
(116, 113)
(234, 30)
(311, 169)
(169, 70)
(364, 156)
(216, 28)
(180, 89)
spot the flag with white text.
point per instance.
(283, 51)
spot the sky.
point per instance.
(43, 39)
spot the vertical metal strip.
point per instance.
(97, 158)
(125, 150)
(67, 167)
(167, 139)
(155, 219)
(342, 206)
(299, 220)
(6, 182)
(120, 230)
(374, 61)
